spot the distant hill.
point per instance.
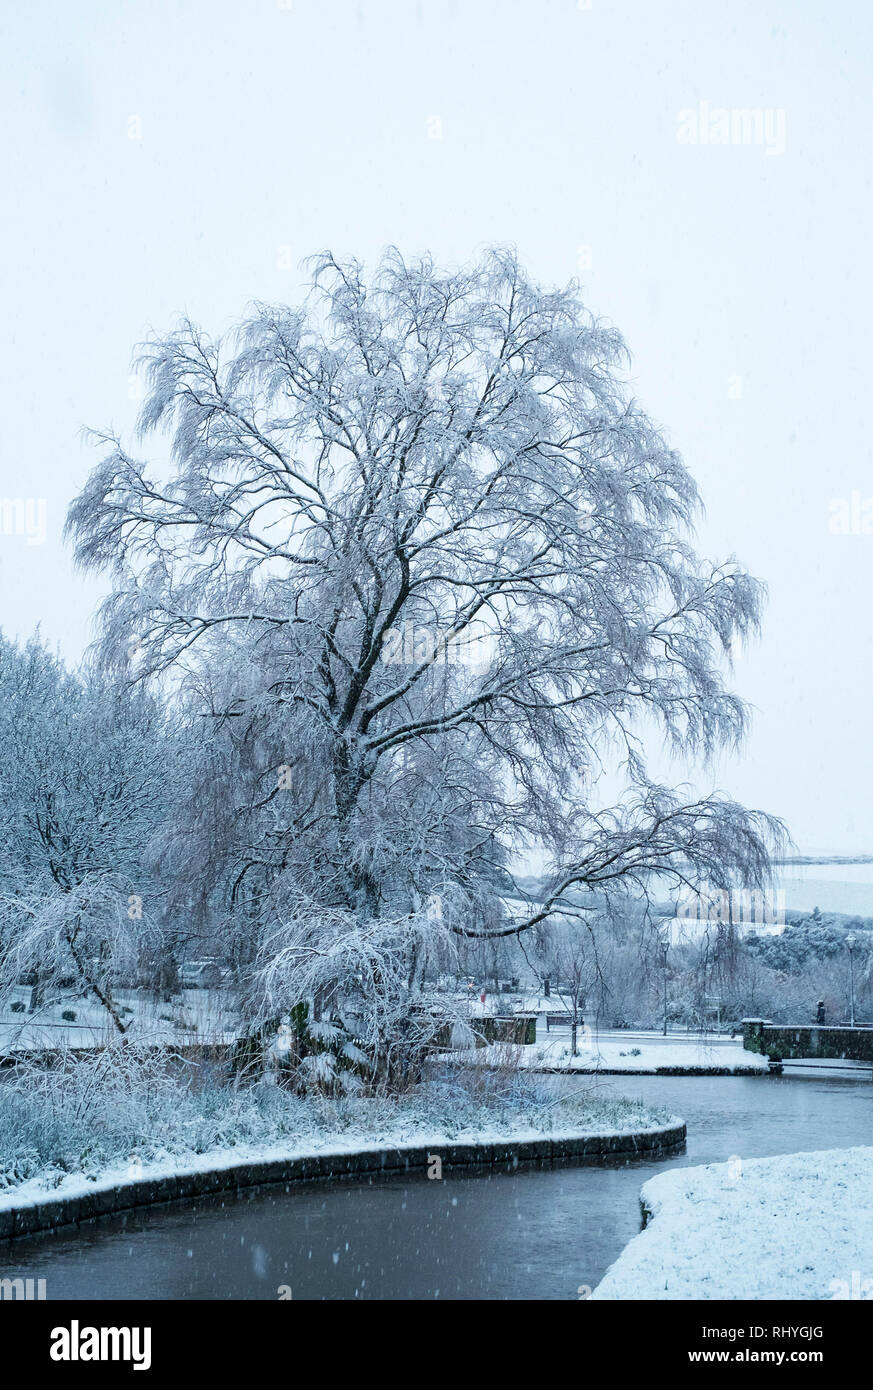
(825, 859)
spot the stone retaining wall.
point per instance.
(47, 1214)
(738, 1070)
(786, 1042)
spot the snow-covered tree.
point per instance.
(84, 779)
(426, 569)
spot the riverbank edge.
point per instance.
(652, 1071)
(790, 1226)
(110, 1199)
(637, 1071)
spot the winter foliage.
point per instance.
(402, 591)
(414, 464)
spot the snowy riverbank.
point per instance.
(30, 1208)
(99, 1125)
(43, 1205)
(798, 1226)
(644, 1056)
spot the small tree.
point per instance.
(574, 963)
(81, 934)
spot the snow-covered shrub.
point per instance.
(370, 1019)
(89, 1113)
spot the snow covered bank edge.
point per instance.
(110, 1197)
(791, 1226)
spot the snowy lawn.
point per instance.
(799, 1226)
(194, 1015)
(102, 1121)
(634, 1055)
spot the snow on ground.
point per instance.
(799, 1226)
(195, 1015)
(638, 1053)
(407, 1132)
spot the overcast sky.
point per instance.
(178, 155)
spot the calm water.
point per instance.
(534, 1233)
(832, 887)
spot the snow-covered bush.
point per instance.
(85, 1114)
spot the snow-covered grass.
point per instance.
(194, 1014)
(99, 1115)
(634, 1055)
(799, 1226)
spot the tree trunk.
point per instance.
(37, 993)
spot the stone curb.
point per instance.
(651, 1071)
(49, 1213)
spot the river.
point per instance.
(533, 1233)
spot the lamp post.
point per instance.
(665, 946)
(850, 946)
